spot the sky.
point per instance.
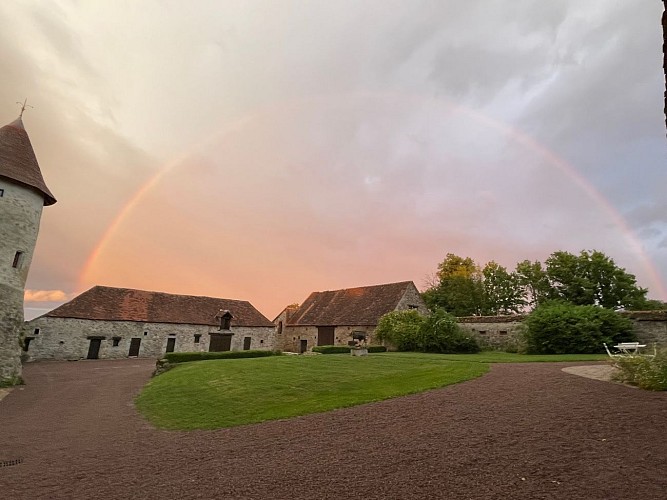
(262, 150)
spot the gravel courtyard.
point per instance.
(523, 431)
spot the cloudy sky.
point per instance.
(262, 150)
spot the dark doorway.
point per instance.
(220, 342)
(246, 343)
(325, 335)
(134, 347)
(171, 343)
(303, 347)
(94, 349)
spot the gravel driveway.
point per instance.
(524, 431)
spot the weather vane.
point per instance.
(23, 106)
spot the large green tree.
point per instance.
(459, 289)
(502, 290)
(533, 281)
(592, 278)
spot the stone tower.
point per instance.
(23, 194)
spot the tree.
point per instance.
(592, 278)
(502, 292)
(459, 290)
(533, 281)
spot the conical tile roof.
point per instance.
(18, 161)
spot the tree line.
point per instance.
(463, 288)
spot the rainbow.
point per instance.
(514, 134)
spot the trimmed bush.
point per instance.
(332, 349)
(184, 357)
(563, 328)
(410, 331)
(643, 371)
(345, 349)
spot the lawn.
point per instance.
(227, 393)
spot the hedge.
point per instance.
(184, 357)
(345, 349)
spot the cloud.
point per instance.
(46, 296)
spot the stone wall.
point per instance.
(502, 331)
(412, 299)
(20, 213)
(68, 338)
(497, 332)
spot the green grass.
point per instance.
(215, 394)
(505, 357)
(226, 393)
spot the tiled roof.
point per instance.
(351, 306)
(124, 304)
(18, 161)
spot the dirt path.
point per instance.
(526, 431)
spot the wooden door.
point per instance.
(171, 343)
(220, 342)
(94, 349)
(135, 344)
(246, 343)
(303, 347)
(325, 335)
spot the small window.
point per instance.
(18, 257)
(261, 341)
(503, 332)
(145, 333)
(482, 332)
(280, 327)
(36, 331)
(197, 337)
(116, 341)
(2, 193)
(412, 306)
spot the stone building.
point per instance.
(338, 317)
(23, 194)
(106, 322)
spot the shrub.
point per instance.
(644, 371)
(401, 329)
(345, 349)
(332, 349)
(184, 357)
(562, 328)
(409, 331)
(441, 333)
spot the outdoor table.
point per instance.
(629, 347)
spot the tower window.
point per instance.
(18, 257)
(36, 332)
(2, 193)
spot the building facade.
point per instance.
(340, 317)
(107, 323)
(23, 194)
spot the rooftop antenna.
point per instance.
(23, 106)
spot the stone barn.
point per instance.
(106, 322)
(337, 317)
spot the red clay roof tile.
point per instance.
(124, 304)
(349, 307)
